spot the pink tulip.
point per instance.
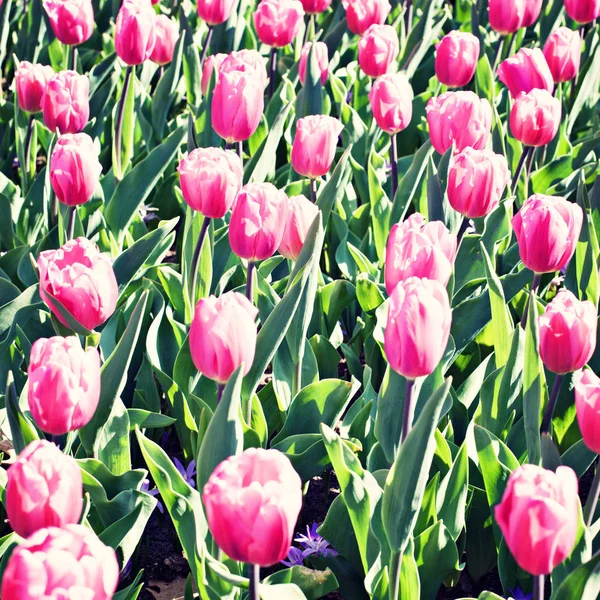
(456, 58)
(535, 118)
(378, 47)
(532, 12)
(135, 32)
(74, 168)
(72, 20)
(418, 327)
(250, 62)
(547, 229)
(81, 279)
(587, 404)
(64, 384)
(507, 16)
(361, 14)
(567, 333)
(257, 221)
(314, 7)
(277, 22)
(476, 181)
(215, 12)
(563, 54)
(583, 11)
(212, 64)
(459, 118)
(538, 516)
(167, 34)
(66, 103)
(210, 180)
(416, 248)
(391, 99)
(56, 564)
(44, 489)
(314, 145)
(252, 503)
(237, 105)
(525, 71)
(301, 213)
(322, 56)
(223, 335)
(30, 83)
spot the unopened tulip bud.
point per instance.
(277, 22)
(391, 99)
(72, 20)
(456, 58)
(525, 71)
(535, 118)
(587, 405)
(30, 83)
(378, 47)
(135, 31)
(563, 54)
(167, 34)
(66, 103)
(301, 213)
(361, 14)
(583, 11)
(322, 56)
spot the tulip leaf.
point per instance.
(144, 419)
(452, 495)
(583, 583)
(281, 591)
(22, 429)
(314, 584)
(335, 188)
(390, 403)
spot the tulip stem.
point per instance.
(409, 409)
(535, 283)
(394, 161)
(220, 388)
(240, 151)
(73, 58)
(206, 46)
(254, 573)
(552, 403)
(71, 222)
(538, 587)
(498, 53)
(592, 501)
(515, 181)
(313, 190)
(196, 260)
(28, 137)
(120, 116)
(249, 282)
(272, 72)
(408, 9)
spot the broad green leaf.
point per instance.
(144, 419)
(314, 584)
(583, 583)
(21, 428)
(452, 495)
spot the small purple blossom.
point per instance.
(312, 545)
(154, 492)
(188, 474)
(295, 557)
(519, 594)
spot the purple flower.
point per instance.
(314, 542)
(188, 474)
(519, 594)
(295, 557)
(154, 492)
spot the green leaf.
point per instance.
(390, 403)
(128, 127)
(21, 428)
(379, 202)
(311, 95)
(335, 188)
(314, 584)
(452, 494)
(144, 419)
(368, 294)
(282, 591)
(583, 583)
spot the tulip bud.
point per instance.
(210, 180)
(64, 384)
(391, 99)
(44, 489)
(587, 404)
(301, 213)
(418, 327)
(70, 562)
(507, 16)
(314, 7)
(563, 54)
(135, 32)
(459, 118)
(215, 12)
(211, 64)
(525, 71)
(72, 20)
(583, 11)
(250, 62)
(314, 145)
(539, 517)
(532, 12)
(257, 221)
(535, 118)
(30, 83)
(547, 229)
(416, 248)
(456, 58)
(66, 103)
(322, 56)
(223, 335)
(277, 22)
(259, 532)
(476, 181)
(74, 168)
(237, 105)
(361, 14)
(81, 279)
(167, 34)
(567, 333)
(378, 47)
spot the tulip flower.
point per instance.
(539, 516)
(72, 20)
(378, 47)
(167, 34)
(416, 248)
(476, 181)
(65, 102)
(301, 213)
(587, 404)
(70, 562)
(43, 489)
(322, 56)
(532, 12)
(135, 31)
(314, 7)
(535, 118)
(563, 54)
(81, 279)
(583, 11)
(525, 71)
(30, 83)
(391, 99)
(64, 384)
(361, 14)
(459, 118)
(507, 16)
(277, 22)
(456, 58)
(211, 65)
(215, 12)
(250, 62)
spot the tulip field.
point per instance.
(299, 299)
